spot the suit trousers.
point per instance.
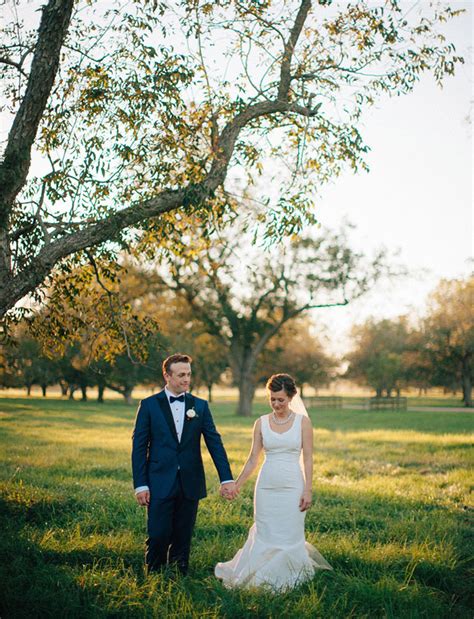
(170, 528)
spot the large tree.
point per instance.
(126, 119)
(297, 349)
(377, 357)
(449, 333)
(244, 299)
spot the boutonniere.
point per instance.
(191, 413)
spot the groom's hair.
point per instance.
(176, 358)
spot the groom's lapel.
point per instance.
(165, 407)
(188, 404)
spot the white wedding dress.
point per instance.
(276, 553)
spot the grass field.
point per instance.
(391, 514)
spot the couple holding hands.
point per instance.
(168, 477)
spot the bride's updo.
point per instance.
(284, 382)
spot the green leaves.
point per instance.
(154, 100)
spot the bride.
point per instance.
(276, 553)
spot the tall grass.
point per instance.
(391, 514)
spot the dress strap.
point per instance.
(264, 424)
(298, 421)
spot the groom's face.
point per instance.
(179, 377)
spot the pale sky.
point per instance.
(418, 196)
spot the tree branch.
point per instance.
(23, 132)
(13, 63)
(16, 160)
(285, 72)
(15, 165)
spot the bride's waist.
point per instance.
(282, 457)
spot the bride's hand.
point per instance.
(305, 501)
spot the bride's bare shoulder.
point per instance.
(259, 421)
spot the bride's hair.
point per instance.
(277, 382)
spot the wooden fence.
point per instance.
(382, 404)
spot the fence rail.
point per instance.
(329, 401)
(381, 404)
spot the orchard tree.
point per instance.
(377, 356)
(244, 299)
(124, 120)
(449, 329)
(25, 363)
(298, 350)
(419, 368)
(98, 320)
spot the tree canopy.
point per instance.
(126, 122)
(243, 299)
(449, 332)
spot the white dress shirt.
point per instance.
(177, 410)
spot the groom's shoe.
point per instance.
(183, 569)
(179, 567)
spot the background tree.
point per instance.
(449, 329)
(25, 363)
(297, 350)
(418, 367)
(74, 369)
(98, 322)
(124, 374)
(210, 360)
(133, 137)
(377, 356)
(244, 301)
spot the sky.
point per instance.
(418, 196)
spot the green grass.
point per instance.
(391, 514)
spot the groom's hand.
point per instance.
(143, 498)
(228, 490)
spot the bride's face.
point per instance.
(279, 401)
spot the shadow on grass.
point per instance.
(103, 582)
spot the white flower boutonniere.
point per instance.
(191, 413)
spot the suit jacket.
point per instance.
(158, 456)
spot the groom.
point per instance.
(168, 473)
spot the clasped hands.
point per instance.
(229, 490)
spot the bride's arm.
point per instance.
(307, 436)
(253, 457)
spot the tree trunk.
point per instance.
(43, 389)
(466, 380)
(64, 388)
(127, 394)
(378, 392)
(209, 392)
(100, 392)
(301, 391)
(247, 388)
(28, 390)
(246, 395)
(84, 393)
(72, 389)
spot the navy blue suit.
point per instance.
(174, 472)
